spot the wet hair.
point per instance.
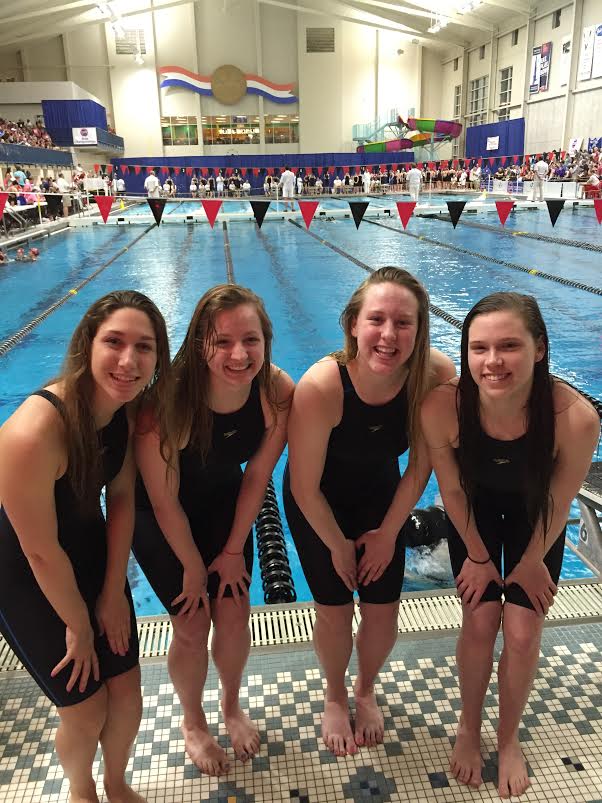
(84, 469)
(539, 411)
(418, 363)
(193, 418)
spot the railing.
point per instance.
(25, 155)
(367, 130)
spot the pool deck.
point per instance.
(283, 692)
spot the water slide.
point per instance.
(418, 131)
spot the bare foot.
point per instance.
(513, 778)
(336, 729)
(466, 762)
(243, 734)
(204, 752)
(123, 794)
(369, 721)
(92, 797)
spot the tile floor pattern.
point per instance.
(418, 689)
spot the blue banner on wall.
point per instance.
(511, 141)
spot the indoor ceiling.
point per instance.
(23, 21)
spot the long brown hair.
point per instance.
(539, 410)
(418, 363)
(193, 418)
(84, 454)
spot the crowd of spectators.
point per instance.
(25, 132)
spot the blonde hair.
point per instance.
(418, 363)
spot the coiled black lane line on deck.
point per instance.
(440, 313)
(512, 265)
(13, 340)
(228, 255)
(546, 238)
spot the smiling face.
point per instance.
(123, 356)
(238, 350)
(502, 354)
(386, 327)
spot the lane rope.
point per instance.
(13, 340)
(528, 234)
(540, 274)
(440, 313)
(228, 255)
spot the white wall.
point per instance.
(87, 60)
(431, 84)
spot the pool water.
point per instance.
(305, 286)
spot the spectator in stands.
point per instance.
(20, 176)
(64, 188)
(475, 177)
(246, 187)
(194, 187)
(591, 188)
(24, 133)
(219, 184)
(53, 199)
(318, 186)
(299, 183)
(337, 185)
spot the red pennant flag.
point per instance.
(551, 155)
(96, 168)
(455, 164)
(444, 165)
(382, 168)
(308, 171)
(228, 171)
(255, 171)
(598, 208)
(479, 161)
(405, 209)
(157, 207)
(394, 168)
(243, 171)
(109, 168)
(420, 165)
(137, 169)
(562, 155)
(503, 160)
(431, 165)
(189, 171)
(204, 171)
(270, 171)
(211, 208)
(503, 210)
(307, 210)
(3, 199)
(538, 157)
(149, 169)
(123, 168)
(165, 170)
(345, 169)
(492, 160)
(104, 203)
(331, 170)
(516, 159)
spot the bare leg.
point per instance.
(333, 643)
(516, 672)
(124, 710)
(230, 650)
(187, 663)
(374, 641)
(474, 655)
(76, 742)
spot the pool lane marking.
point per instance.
(528, 234)
(440, 313)
(540, 274)
(228, 255)
(13, 340)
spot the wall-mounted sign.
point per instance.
(228, 84)
(84, 136)
(493, 143)
(586, 56)
(540, 68)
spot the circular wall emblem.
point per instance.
(228, 84)
(83, 132)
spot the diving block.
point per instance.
(589, 499)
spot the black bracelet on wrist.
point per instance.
(478, 562)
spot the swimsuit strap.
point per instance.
(52, 398)
(346, 379)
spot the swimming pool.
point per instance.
(305, 285)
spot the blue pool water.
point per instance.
(305, 285)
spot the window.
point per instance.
(455, 149)
(457, 101)
(556, 19)
(482, 52)
(319, 40)
(505, 86)
(230, 129)
(179, 131)
(514, 39)
(456, 65)
(130, 43)
(503, 114)
(281, 128)
(478, 95)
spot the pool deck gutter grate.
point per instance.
(421, 615)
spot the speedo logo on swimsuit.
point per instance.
(501, 460)
(229, 434)
(375, 428)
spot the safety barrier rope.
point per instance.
(440, 313)
(540, 274)
(13, 340)
(528, 234)
(228, 255)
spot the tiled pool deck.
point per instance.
(418, 690)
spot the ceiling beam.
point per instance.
(460, 19)
(42, 11)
